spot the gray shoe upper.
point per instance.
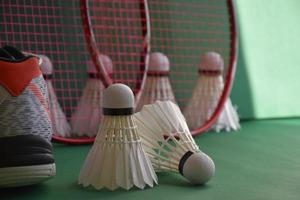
(27, 113)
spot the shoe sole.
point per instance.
(26, 175)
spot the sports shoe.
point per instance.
(25, 128)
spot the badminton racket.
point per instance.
(55, 28)
(120, 30)
(185, 30)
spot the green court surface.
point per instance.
(262, 161)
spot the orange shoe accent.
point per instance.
(37, 92)
(15, 76)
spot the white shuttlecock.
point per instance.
(169, 144)
(228, 119)
(59, 121)
(117, 158)
(85, 120)
(207, 94)
(157, 85)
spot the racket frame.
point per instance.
(230, 72)
(99, 65)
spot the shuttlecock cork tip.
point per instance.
(107, 62)
(46, 65)
(198, 168)
(158, 62)
(90, 67)
(118, 99)
(211, 61)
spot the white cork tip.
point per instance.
(118, 96)
(158, 62)
(90, 67)
(46, 65)
(107, 62)
(198, 168)
(211, 61)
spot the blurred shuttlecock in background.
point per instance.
(228, 119)
(157, 86)
(169, 144)
(117, 158)
(85, 120)
(207, 94)
(59, 121)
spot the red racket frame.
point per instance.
(107, 81)
(43, 20)
(230, 72)
(102, 71)
(162, 17)
(95, 52)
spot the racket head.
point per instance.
(51, 28)
(120, 30)
(55, 29)
(185, 30)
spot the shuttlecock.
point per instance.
(117, 158)
(59, 121)
(207, 94)
(157, 86)
(228, 119)
(169, 144)
(87, 116)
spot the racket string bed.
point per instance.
(56, 29)
(184, 31)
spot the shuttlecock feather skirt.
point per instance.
(204, 101)
(228, 119)
(165, 135)
(156, 88)
(85, 120)
(117, 158)
(59, 121)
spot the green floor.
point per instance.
(262, 161)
